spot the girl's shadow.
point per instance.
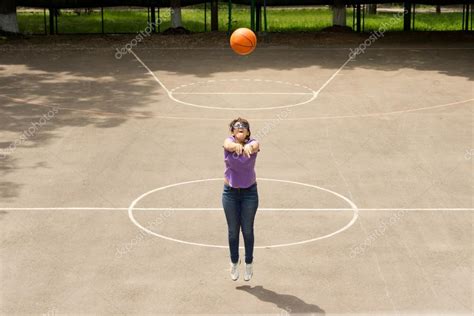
(289, 303)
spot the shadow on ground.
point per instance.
(289, 303)
(36, 88)
(83, 73)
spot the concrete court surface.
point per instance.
(365, 180)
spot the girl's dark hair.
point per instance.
(241, 120)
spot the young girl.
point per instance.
(240, 196)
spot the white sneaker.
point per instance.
(248, 272)
(234, 270)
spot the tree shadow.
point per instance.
(8, 189)
(289, 303)
(422, 51)
(78, 72)
(39, 90)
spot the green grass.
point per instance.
(423, 22)
(279, 20)
(129, 21)
(440, 22)
(30, 22)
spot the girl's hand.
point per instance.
(238, 148)
(248, 150)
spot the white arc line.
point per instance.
(315, 94)
(266, 209)
(171, 95)
(355, 214)
(244, 93)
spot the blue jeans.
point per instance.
(240, 207)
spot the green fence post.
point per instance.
(353, 16)
(407, 16)
(258, 18)
(51, 21)
(205, 16)
(229, 26)
(153, 19)
(363, 18)
(45, 25)
(265, 15)
(467, 16)
(159, 20)
(252, 15)
(102, 18)
(214, 15)
(358, 18)
(471, 16)
(56, 20)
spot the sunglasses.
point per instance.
(240, 125)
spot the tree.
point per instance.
(438, 9)
(339, 13)
(8, 21)
(176, 14)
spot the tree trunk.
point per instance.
(176, 14)
(8, 21)
(407, 16)
(438, 9)
(214, 15)
(372, 8)
(339, 13)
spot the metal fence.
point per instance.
(106, 20)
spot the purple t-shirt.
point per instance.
(240, 169)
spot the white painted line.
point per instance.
(378, 114)
(355, 214)
(266, 209)
(244, 93)
(334, 75)
(333, 117)
(313, 94)
(149, 70)
(171, 93)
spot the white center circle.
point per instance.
(354, 208)
(252, 88)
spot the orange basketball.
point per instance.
(243, 41)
